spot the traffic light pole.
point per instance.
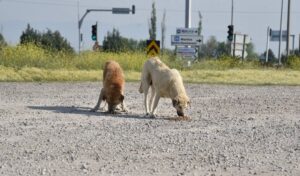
(231, 12)
(230, 42)
(113, 10)
(280, 35)
(288, 30)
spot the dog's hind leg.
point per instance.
(146, 102)
(155, 103)
(101, 97)
(151, 98)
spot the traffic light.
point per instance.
(230, 33)
(133, 9)
(94, 32)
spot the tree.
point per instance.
(271, 58)
(251, 52)
(30, 35)
(52, 41)
(223, 49)
(55, 41)
(152, 25)
(200, 23)
(209, 49)
(2, 41)
(163, 31)
(114, 42)
(214, 49)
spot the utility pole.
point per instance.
(288, 29)
(232, 12)
(188, 5)
(280, 35)
(268, 44)
(230, 42)
(79, 34)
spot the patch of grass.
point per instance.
(234, 76)
(31, 63)
(244, 76)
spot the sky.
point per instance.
(251, 17)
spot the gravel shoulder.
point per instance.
(47, 129)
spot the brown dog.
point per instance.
(113, 87)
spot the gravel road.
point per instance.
(47, 129)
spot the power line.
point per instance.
(74, 4)
(56, 3)
(220, 11)
(43, 3)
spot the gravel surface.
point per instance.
(47, 129)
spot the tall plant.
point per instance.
(163, 31)
(152, 25)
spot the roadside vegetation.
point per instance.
(29, 62)
(48, 56)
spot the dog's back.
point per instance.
(151, 67)
(113, 82)
(113, 74)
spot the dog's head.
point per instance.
(181, 103)
(114, 101)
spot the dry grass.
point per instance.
(31, 63)
(245, 77)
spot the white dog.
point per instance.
(164, 82)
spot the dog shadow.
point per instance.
(87, 111)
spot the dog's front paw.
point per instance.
(147, 115)
(93, 110)
(125, 110)
(151, 116)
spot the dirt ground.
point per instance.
(47, 129)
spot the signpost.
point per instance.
(187, 31)
(153, 47)
(186, 41)
(191, 40)
(186, 52)
(239, 45)
(275, 35)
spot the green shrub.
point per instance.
(294, 62)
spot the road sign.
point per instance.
(120, 10)
(239, 45)
(186, 51)
(153, 47)
(239, 39)
(192, 40)
(275, 35)
(187, 31)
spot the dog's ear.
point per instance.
(175, 102)
(122, 98)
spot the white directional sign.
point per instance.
(187, 31)
(186, 52)
(239, 38)
(239, 45)
(275, 35)
(186, 40)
